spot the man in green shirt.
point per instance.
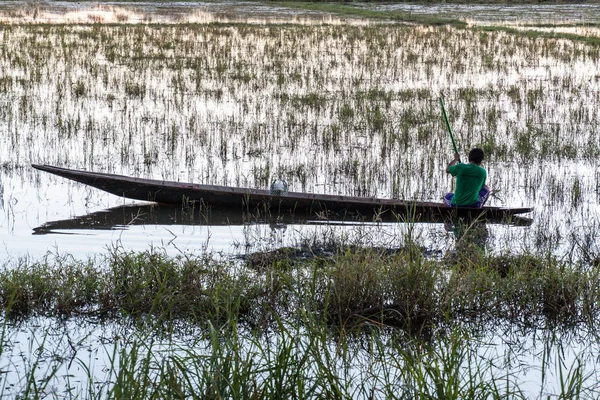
(471, 190)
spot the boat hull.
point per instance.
(248, 200)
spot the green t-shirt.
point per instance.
(470, 178)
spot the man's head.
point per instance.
(476, 156)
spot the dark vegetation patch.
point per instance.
(350, 288)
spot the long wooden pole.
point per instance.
(448, 125)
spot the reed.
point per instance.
(131, 284)
(353, 288)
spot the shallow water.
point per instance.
(154, 12)
(558, 13)
(256, 12)
(334, 108)
(340, 109)
(75, 356)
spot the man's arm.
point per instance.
(453, 162)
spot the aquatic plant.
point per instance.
(303, 340)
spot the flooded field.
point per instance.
(198, 93)
(332, 109)
(137, 12)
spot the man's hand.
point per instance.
(453, 162)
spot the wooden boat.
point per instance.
(249, 200)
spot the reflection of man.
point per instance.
(470, 241)
(471, 190)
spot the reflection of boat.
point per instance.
(163, 214)
(249, 200)
(168, 214)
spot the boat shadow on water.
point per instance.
(119, 218)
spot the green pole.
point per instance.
(448, 125)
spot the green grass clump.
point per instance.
(350, 289)
(367, 286)
(127, 283)
(151, 282)
(67, 288)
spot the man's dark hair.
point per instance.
(476, 155)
